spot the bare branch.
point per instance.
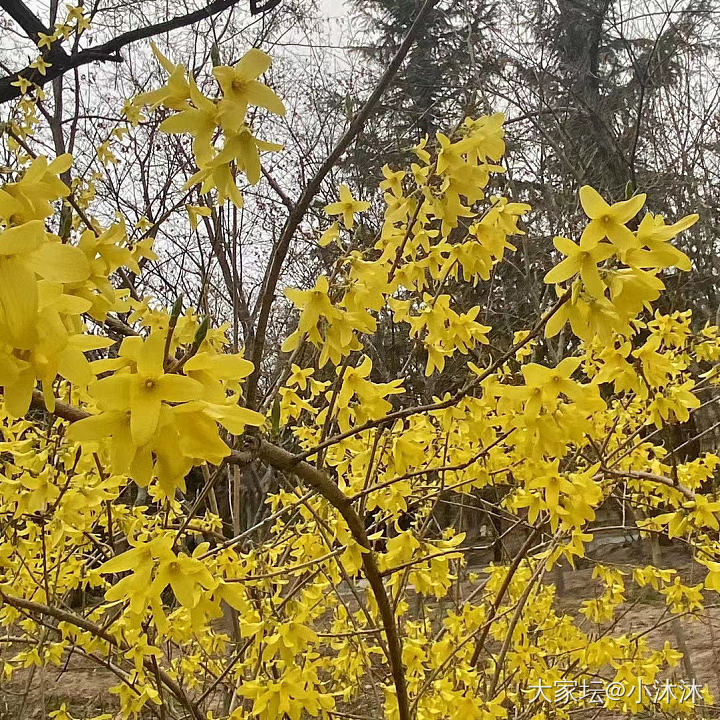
(104, 52)
(272, 275)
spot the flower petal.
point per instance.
(592, 202)
(178, 388)
(18, 301)
(60, 263)
(144, 413)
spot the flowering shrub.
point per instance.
(87, 419)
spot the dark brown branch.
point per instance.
(286, 201)
(118, 326)
(280, 250)
(109, 50)
(98, 632)
(652, 477)
(267, 6)
(24, 17)
(281, 459)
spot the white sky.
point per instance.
(332, 8)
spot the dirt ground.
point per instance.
(84, 687)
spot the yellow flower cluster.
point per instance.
(203, 118)
(110, 461)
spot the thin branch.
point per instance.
(104, 52)
(98, 632)
(280, 250)
(283, 460)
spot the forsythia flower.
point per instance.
(197, 524)
(347, 206)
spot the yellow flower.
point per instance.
(199, 119)
(608, 221)
(185, 575)
(299, 376)
(545, 384)
(140, 559)
(25, 253)
(63, 29)
(40, 65)
(75, 12)
(22, 83)
(393, 181)
(329, 236)
(314, 304)
(581, 259)
(244, 148)
(347, 206)
(241, 88)
(194, 212)
(45, 40)
(144, 391)
(61, 713)
(712, 579)
(30, 197)
(173, 95)
(655, 236)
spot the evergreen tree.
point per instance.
(438, 82)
